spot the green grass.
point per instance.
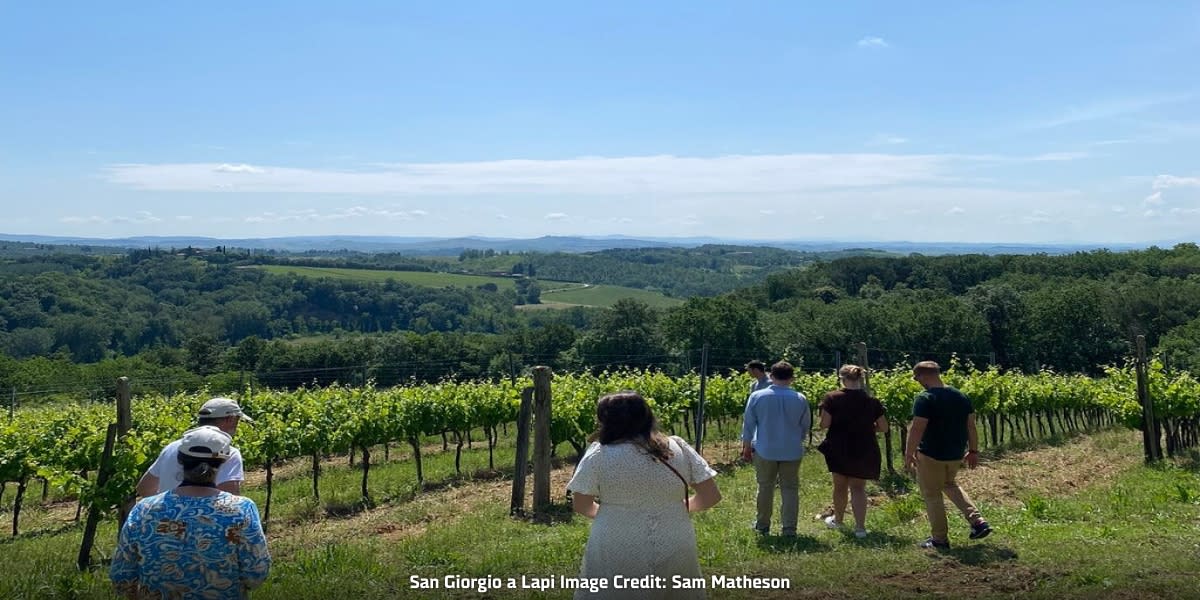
(1133, 536)
(607, 295)
(571, 294)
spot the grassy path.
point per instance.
(1078, 519)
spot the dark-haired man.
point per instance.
(758, 370)
(775, 425)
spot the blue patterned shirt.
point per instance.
(176, 546)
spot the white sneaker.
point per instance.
(860, 533)
(831, 523)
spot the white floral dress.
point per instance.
(642, 527)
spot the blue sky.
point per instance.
(951, 121)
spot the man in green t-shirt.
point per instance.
(942, 436)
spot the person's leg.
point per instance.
(931, 474)
(789, 492)
(958, 496)
(858, 501)
(841, 489)
(765, 473)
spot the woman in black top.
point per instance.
(851, 451)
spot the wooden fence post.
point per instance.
(521, 468)
(541, 442)
(89, 529)
(700, 404)
(1150, 432)
(124, 424)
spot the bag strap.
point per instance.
(673, 470)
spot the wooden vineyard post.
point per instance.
(521, 468)
(124, 424)
(89, 529)
(1150, 435)
(700, 403)
(541, 442)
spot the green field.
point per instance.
(606, 295)
(571, 294)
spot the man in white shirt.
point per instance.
(166, 473)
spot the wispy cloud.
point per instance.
(228, 168)
(140, 217)
(872, 42)
(352, 212)
(884, 139)
(1110, 108)
(556, 216)
(1060, 156)
(1166, 182)
(740, 174)
(956, 210)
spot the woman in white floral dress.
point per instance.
(634, 482)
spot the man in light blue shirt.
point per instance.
(774, 428)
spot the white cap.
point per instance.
(205, 442)
(223, 407)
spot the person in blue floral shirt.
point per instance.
(194, 541)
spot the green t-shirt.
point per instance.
(946, 435)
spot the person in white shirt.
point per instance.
(165, 474)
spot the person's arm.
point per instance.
(881, 425)
(584, 504)
(823, 410)
(147, 485)
(707, 495)
(749, 426)
(915, 433)
(231, 474)
(972, 456)
(254, 559)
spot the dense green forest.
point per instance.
(176, 320)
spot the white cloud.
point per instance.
(1060, 156)
(884, 139)
(1110, 108)
(637, 175)
(351, 212)
(184, 218)
(556, 216)
(872, 42)
(766, 211)
(1155, 198)
(1166, 182)
(140, 217)
(957, 210)
(248, 169)
(1150, 214)
(1118, 209)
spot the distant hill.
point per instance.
(432, 246)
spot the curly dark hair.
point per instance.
(626, 417)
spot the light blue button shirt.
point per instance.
(776, 423)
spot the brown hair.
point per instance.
(625, 416)
(926, 367)
(851, 372)
(756, 364)
(782, 371)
